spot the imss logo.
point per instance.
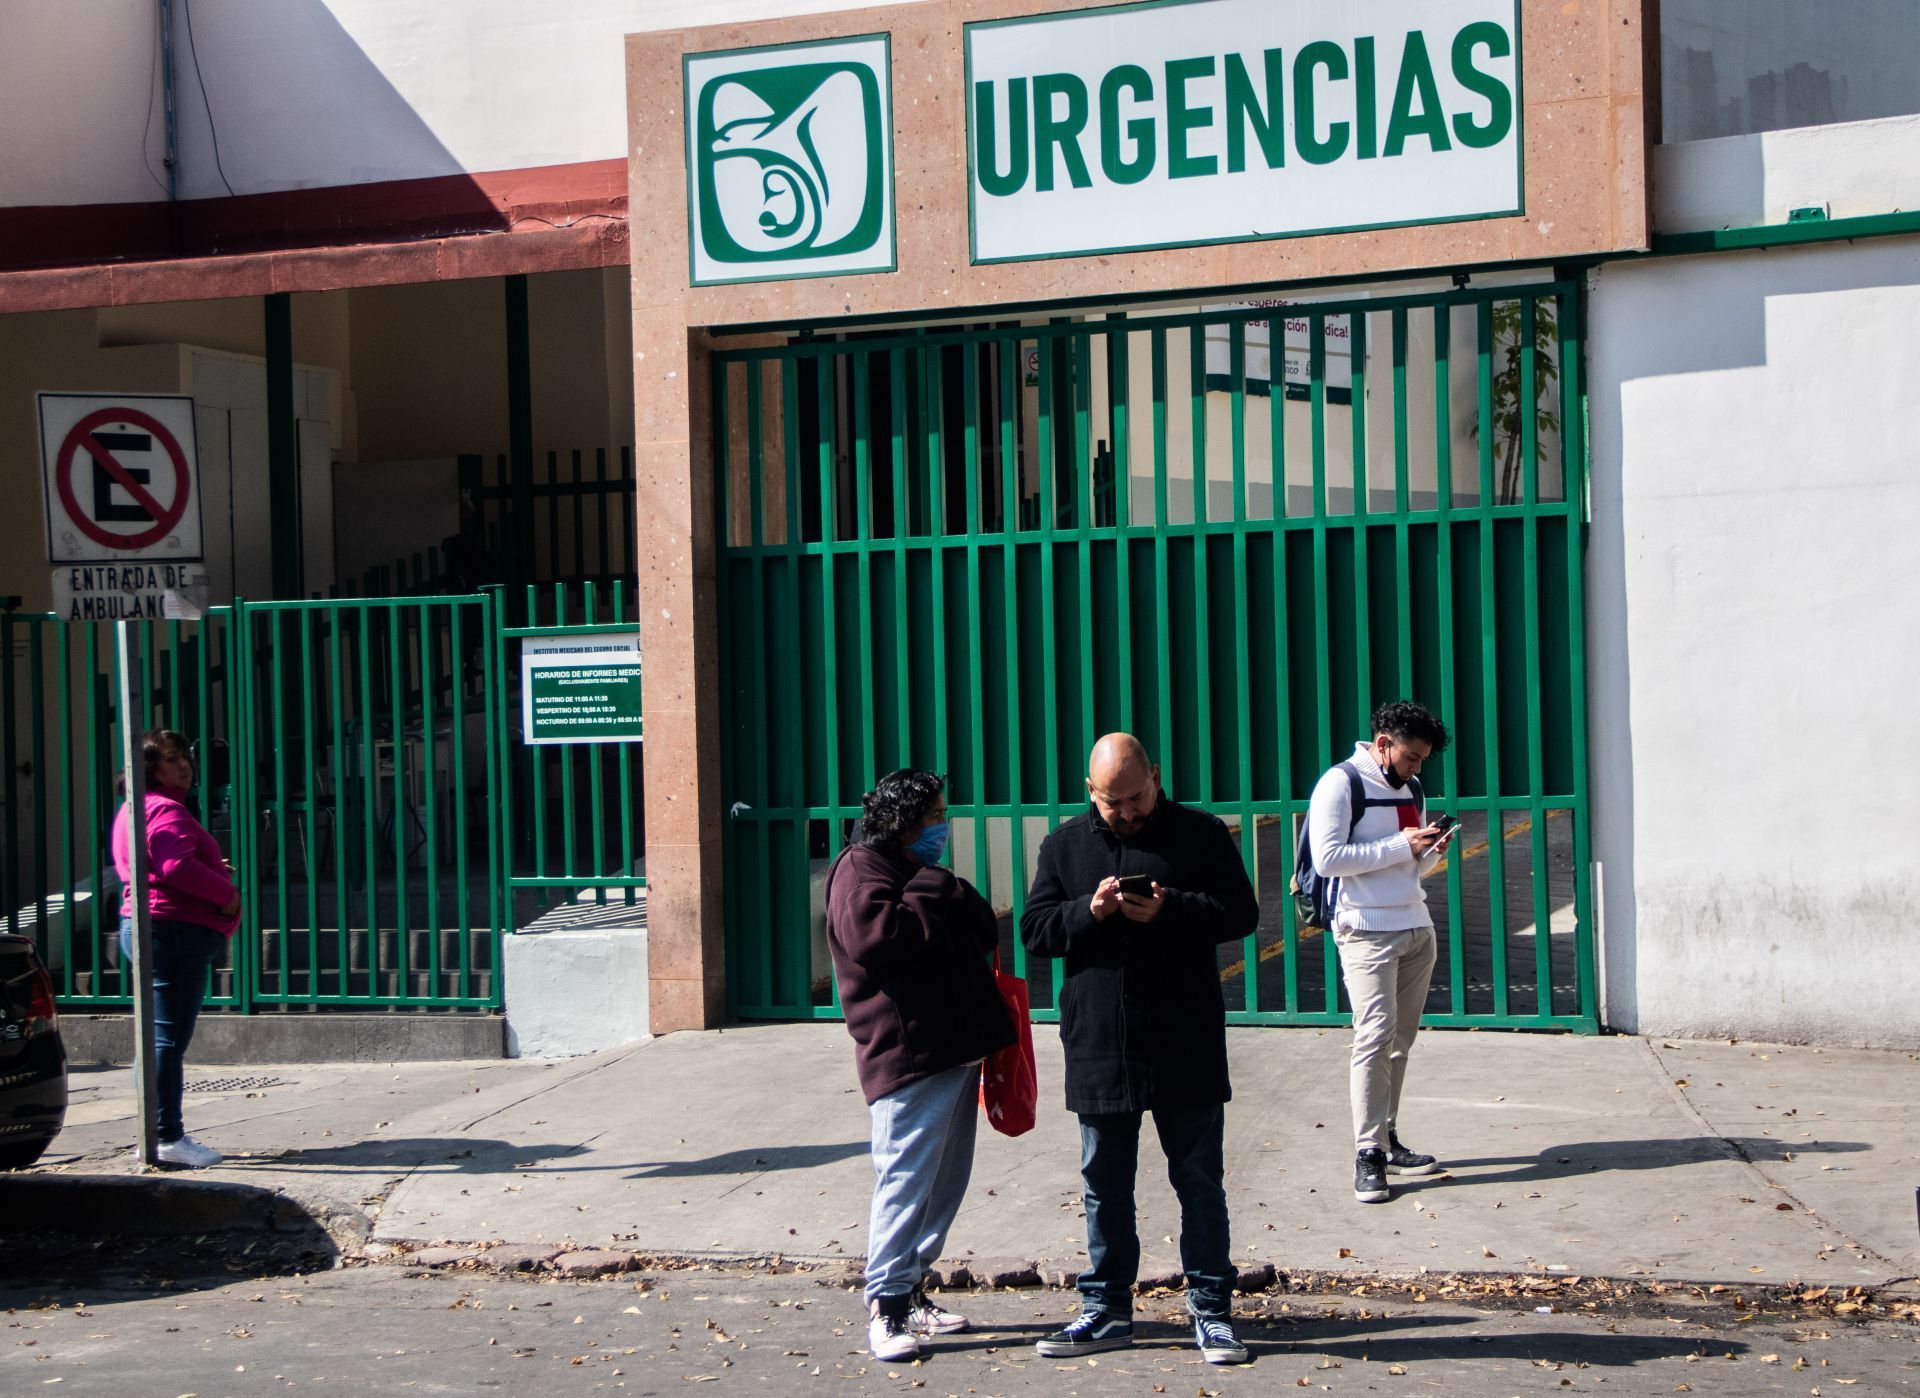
(790, 158)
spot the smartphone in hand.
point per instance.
(1139, 885)
(1444, 824)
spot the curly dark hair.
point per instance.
(1402, 718)
(897, 804)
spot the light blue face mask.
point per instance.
(931, 843)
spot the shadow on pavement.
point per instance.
(1585, 1157)
(756, 1161)
(149, 1232)
(1557, 1346)
(449, 1154)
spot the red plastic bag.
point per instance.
(1009, 1079)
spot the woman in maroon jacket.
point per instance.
(910, 944)
(194, 908)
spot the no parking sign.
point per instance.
(122, 477)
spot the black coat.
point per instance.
(910, 948)
(1141, 1016)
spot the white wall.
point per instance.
(1752, 627)
(1855, 168)
(313, 93)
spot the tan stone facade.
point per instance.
(1585, 127)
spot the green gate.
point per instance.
(367, 786)
(975, 550)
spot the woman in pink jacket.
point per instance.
(194, 907)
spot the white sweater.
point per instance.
(1379, 888)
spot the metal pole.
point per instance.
(146, 1085)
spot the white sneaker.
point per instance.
(925, 1316)
(889, 1339)
(189, 1154)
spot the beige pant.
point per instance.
(1387, 974)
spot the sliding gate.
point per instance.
(976, 550)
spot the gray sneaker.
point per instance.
(1091, 1332)
(1402, 1161)
(1370, 1177)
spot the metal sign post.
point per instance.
(146, 1085)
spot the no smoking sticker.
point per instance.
(122, 477)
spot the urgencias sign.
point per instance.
(1180, 122)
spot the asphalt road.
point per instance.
(378, 1329)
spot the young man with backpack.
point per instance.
(1370, 847)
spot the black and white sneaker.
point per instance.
(1402, 1161)
(1370, 1177)
(926, 1316)
(1091, 1332)
(1214, 1335)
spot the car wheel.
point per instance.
(18, 1155)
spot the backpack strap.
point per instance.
(1356, 797)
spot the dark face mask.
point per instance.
(1392, 777)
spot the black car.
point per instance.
(33, 1061)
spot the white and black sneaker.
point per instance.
(1402, 1161)
(889, 1339)
(1370, 1177)
(927, 1317)
(1091, 1332)
(1218, 1345)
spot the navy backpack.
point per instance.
(1314, 895)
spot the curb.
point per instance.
(1897, 1299)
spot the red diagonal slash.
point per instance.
(140, 494)
(164, 517)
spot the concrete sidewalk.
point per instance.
(1624, 1157)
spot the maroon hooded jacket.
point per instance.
(910, 946)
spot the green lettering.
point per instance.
(993, 181)
(1138, 84)
(1366, 103)
(1416, 78)
(1306, 133)
(1472, 134)
(1244, 110)
(1051, 131)
(1181, 119)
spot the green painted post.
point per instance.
(283, 450)
(519, 534)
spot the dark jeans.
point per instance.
(1109, 1158)
(182, 954)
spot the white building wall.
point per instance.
(1754, 606)
(316, 93)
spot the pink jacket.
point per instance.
(186, 878)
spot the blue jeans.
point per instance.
(1109, 1159)
(182, 954)
(922, 1159)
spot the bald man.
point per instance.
(1135, 895)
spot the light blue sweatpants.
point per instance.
(922, 1158)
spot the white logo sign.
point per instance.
(790, 161)
(1212, 121)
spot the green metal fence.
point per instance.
(975, 550)
(368, 828)
(359, 760)
(60, 747)
(577, 822)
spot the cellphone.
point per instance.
(1445, 823)
(1137, 884)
